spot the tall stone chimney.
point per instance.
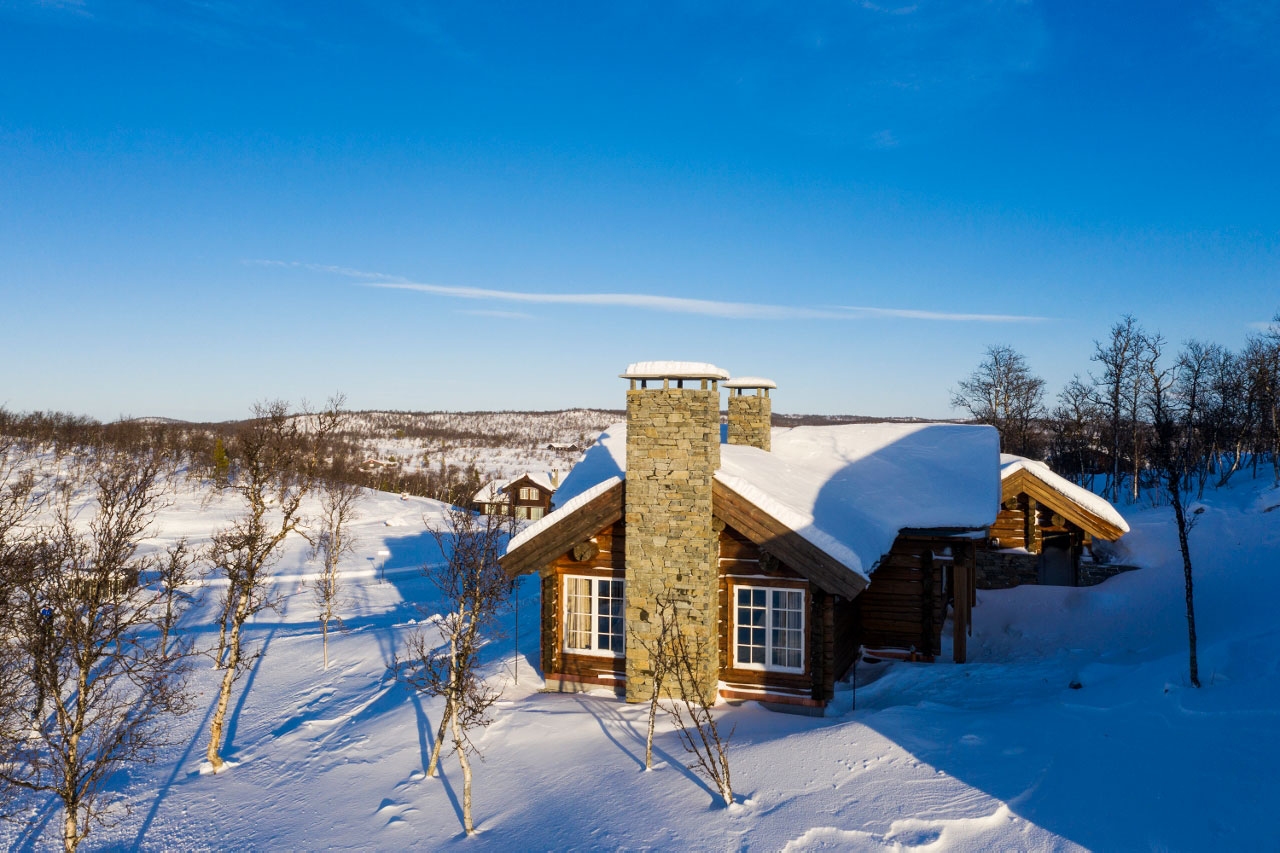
(673, 451)
(750, 415)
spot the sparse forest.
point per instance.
(1111, 428)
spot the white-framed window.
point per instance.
(528, 494)
(768, 627)
(522, 512)
(593, 618)
(535, 512)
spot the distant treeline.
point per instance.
(1143, 412)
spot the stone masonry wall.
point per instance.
(750, 419)
(673, 451)
(1005, 569)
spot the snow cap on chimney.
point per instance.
(679, 372)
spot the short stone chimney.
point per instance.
(673, 451)
(750, 415)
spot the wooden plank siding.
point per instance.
(904, 607)
(588, 520)
(607, 561)
(742, 562)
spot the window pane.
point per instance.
(609, 615)
(577, 623)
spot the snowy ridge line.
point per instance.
(801, 523)
(1011, 464)
(561, 512)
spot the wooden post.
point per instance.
(960, 612)
(828, 646)
(926, 602)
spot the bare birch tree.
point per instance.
(691, 711)
(1171, 457)
(331, 540)
(1118, 358)
(662, 663)
(1004, 393)
(278, 463)
(101, 685)
(474, 592)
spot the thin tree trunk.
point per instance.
(324, 641)
(1181, 520)
(648, 741)
(222, 629)
(445, 720)
(224, 697)
(466, 776)
(70, 832)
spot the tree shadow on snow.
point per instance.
(606, 710)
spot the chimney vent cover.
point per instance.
(749, 382)
(673, 370)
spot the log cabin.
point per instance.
(1046, 524)
(527, 496)
(785, 552)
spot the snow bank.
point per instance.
(1011, 464)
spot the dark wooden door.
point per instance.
(1057, 561)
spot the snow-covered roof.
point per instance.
(539, 478)
(749, 382)
(491, 493)
(847, 489)
(562, 512)
(674, 370)
(1011, 464)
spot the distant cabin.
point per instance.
(555, 445)
(1046, 525)
(527, 496)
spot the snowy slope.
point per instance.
(999, 753)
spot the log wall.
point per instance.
(905, 604)
(607, 561)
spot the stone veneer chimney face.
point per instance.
(673, 451)
(750, 419)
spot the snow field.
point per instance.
(1000, 753)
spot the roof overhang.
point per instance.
(579, 523)
(1022, 481)
(775, 538)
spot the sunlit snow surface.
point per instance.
(998, 753)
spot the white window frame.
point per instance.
(768, 628)
(528, 493)
(536, 512)
(595, 617)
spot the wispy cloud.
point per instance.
(916, 314)
(646, 301)
(505, 315)
(1266, 326)
(326, 268)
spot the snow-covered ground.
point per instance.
(999, 753)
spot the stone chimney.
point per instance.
(673, 451)
(750, 415)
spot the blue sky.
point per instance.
(207, 204)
